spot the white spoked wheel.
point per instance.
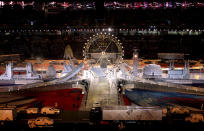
(103, 49)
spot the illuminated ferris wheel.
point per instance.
(103, 49)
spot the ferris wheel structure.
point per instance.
(104, 49)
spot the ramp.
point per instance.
(98, 72)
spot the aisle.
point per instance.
(103, 91)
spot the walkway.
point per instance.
(103, 91)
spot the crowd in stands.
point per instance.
(45, 17)
(52, 46)
(110, 4)
(184, 16)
